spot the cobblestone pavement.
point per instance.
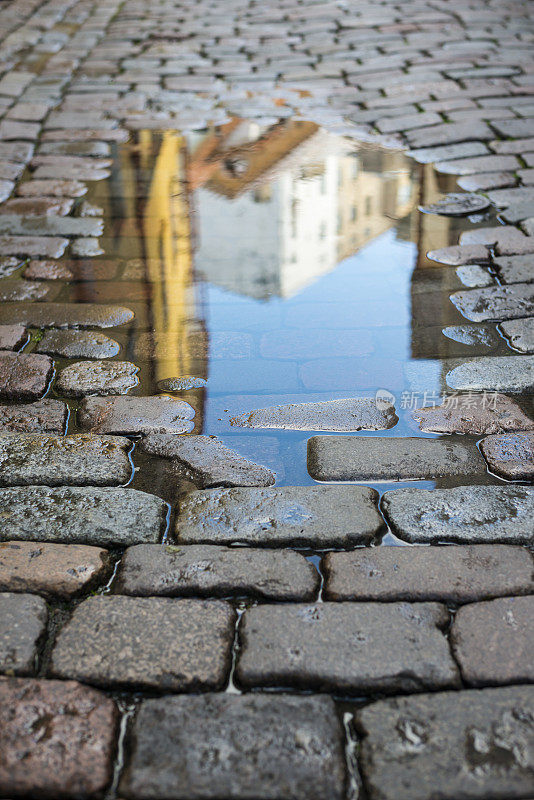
(143, 654)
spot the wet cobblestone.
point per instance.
(103, 226)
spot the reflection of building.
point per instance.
(375, 188)
(302, 200)
(149, 198)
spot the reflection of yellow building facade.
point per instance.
(374, 189)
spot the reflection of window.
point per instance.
(354, 242)
(322, 230)
(354, 167)
(353, 214)
(368, 206)
(323, 184)
(367, 232)
(294, 258)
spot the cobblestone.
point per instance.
(97, 377)
(53, 570)
(303, 516)
(474, 415)
(74, 758)
(448, 574)
(511, 455)
(301, 735)
(78, 460)
(520, 334)
(116, 641)
(23, 619)
(404, 740)
(12, 336)
(45, 416)
(136, 415)
(348, 648)
(208, 460)
(92, 97)
(100, 516)
(64, 315)
(493, 641)
(464, 514)
(24, 376)
(332, 415)
(211, 571)
(513, 374)
(350, 458)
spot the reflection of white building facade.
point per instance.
(280, 235)
(272, 227)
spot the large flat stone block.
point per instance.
(295, 516)
(79, 460)
(220, 745)
(454, 574)
(347, 648)
(57, 739)
(147, 643)
(354, 458)
(211, 571)
(472, 514)
(72, 515)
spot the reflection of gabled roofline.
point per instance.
(261, 156)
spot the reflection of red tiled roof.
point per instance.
(206, 165)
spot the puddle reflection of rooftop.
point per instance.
(278, 208)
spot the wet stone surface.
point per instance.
(136, 415)
(77, 344)
(74, 758)
(211, 571)
(474, 414)
(349, 458)
(513, 374)
(181, 383)
(334, 415)
(484, 733)
(496, 302)
(13, 290)
(53, 570)
(294, 516)
(97, 377)
(45, 416)
(466, 514)
(64, 315)
(23, 619)
(520, 334)
(98, 516)
(79, 460)
(514, 269)
(348, 648)
(171, 736)
(24, 376)
(12, 336)
(451, 574)
(117, 641)
(209, 461)
(493, 642)
(457, 205)
(472, 335)
(510, 456)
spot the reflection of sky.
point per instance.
(366, 297)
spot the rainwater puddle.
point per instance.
(280, 264)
